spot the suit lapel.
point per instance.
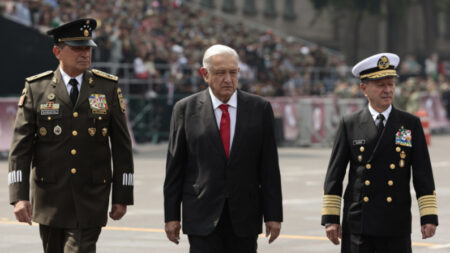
(60, 88)
(241, 115)
(206, 110)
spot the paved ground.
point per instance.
(302, 170)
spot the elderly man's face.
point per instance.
(73, 60)
(222, 76)
(380, 93)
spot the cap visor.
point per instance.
(81, 43)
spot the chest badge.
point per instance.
(42, 131)
(98, 104)
(403, 137)
(57, 130)
(51, 96)
(91, 131)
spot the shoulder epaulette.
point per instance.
(105, 75)
(35, 77)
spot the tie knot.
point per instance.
(73, 82)
(224, 107)
(380, 117)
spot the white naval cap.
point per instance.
(377, 66)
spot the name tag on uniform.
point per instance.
(403, 137)
(359, 142)
(49, 108)
(98, 104)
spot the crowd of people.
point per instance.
(163, 41)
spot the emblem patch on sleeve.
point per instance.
(98, 104)
(403, 137)
(120, 96)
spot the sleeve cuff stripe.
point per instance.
(128, 179)
(428, 211)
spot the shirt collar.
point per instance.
(232, 102)
(385, 113)
(67, 78)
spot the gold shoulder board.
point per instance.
(35, 77)
(105, 75)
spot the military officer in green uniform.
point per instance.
(69, 124)
(384, 147)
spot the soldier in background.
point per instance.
(384, 146)
(66, 121)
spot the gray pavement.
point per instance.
(302, 170)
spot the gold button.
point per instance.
(104, 180)
(367, 182)
(398, 149)
(49, 118)
(392, 166)
(366, 199)
(390, 183)
(361, 149)
(73, 151)
(74, 133)
(389, 199)
(73, 170)
(75, 114)
(100, 118)
(42, 179)
(368, 166)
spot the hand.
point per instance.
(273, 229)
(428, 230)
(173, 231)
(22, 210)
(334, 233)
(117, 211)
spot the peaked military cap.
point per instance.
(377, 66)
(77, 33)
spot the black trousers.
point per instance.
(69, 240)
(354, 243)
(223, 239)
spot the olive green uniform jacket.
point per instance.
(65, 151)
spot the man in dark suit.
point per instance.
(384, 147)
(66, 121)
(222, 164)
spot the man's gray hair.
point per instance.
(215, 50)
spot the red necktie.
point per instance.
(225, 128)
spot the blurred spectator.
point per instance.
(431, 66)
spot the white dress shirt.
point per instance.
(375, 114)
(66, 78)
(232, 109)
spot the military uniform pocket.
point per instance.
(49, 127)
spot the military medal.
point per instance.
(403, 155)
(50, 108)
(91, 131)
(42, 131)
(402, 163)
(57, 130)
(51, 96)
(104, 131)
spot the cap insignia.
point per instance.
(383, 62)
